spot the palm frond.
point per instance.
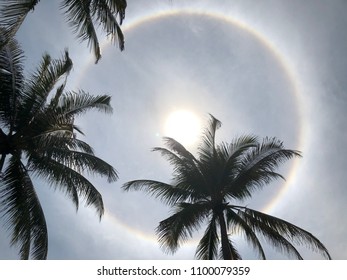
(48, 74)
(11, 81)
(278, 231)
(68, 180)
(79, 15)
(167, 193)
(106, 13)
(12, 11)
(60, 90)
(57, 139)
(76, 103)
(236, 148)
(12, 15)
(209, 243)
(257, 167)
(207, 148)
(179, 149)
(40, 85)
(235, 255)
(181, 225)
(82, 16)
(82, 162)
(235, 222)
(186, 173)
(22, 211)
(179, 163)
(118, 7)
(230, 156)
(46, 126)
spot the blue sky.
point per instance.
(270, 68)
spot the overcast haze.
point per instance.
(269, 68)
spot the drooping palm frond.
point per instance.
(82, 162)
(235, 255)
(238, 225)
(107, 12)
(167, 193)
(54, 139)
(84, 15)
(209, 243)
(181, 225)
(278, 231)
(12, 15)
(68, 180)
(21, 209)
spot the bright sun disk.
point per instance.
(184, 126)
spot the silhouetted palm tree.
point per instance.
(83, 15)
(38, 138)
(207, 188)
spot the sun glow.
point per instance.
(184, 126)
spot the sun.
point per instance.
(184, 126)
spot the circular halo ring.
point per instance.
(264, 41)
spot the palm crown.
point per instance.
(38, 138)
(205, 190)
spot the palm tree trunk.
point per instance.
(224, 236)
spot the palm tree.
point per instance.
(206, 190)
(38, 138)
(83, 15)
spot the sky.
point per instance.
(268, 68)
